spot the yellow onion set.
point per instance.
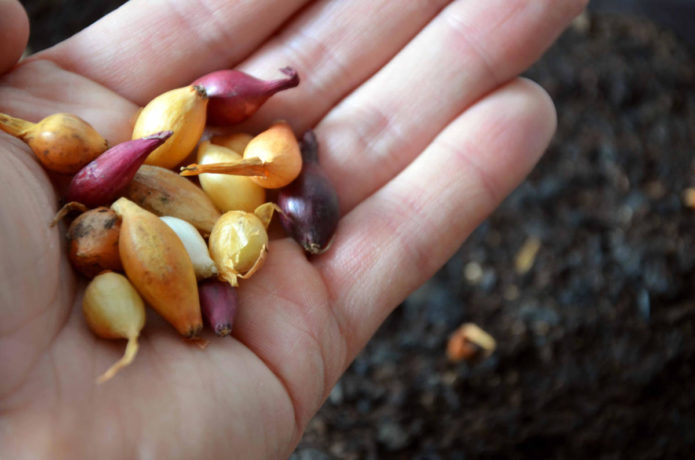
(148, 236)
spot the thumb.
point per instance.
(14, 33)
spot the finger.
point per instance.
(38, 284)
(38, 88)
(466, 51)
(14, 33)
(332, 45)
(146, 46)
(400, 235)
(380, 244)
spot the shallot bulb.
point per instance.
(180, 110)
(310, 203)
(106, 177)
(235, 95)
(62, 142)
(165, 193)
(228, 192)
(195, 246)
(93, 242)
(239, 242)
(272, 159)
(113, 309)
(219, 301)
(157, 263)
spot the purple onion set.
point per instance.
(310, 203)
(218, 302)
(104, 179)
(235, 95)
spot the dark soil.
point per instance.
(596, 341)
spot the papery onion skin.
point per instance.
(310, 206)
(238, 245)
(236, 95)
(93, 242)
(62, 142)
(156, 262)
(279, 150)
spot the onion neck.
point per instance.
(309, 147)
(291, 81)
(15, 126)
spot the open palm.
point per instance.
(423, 127)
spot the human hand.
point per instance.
(423, 127)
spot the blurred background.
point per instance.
(584, 276)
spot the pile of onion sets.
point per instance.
(144, 234)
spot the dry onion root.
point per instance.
(114, 310)
(62, 142)
(239, 242)
(156, 262)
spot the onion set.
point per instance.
(93, 242)
(165, 193)
(195, 246)
(180, 110)
(235, 95)
(157, 263)
(470, 343)
(113, 309)
(272, 159)
(148, 236)
(218, 301)
(62, 142)
(104, 179)
(228, 192)
(310, 203)
(239, 242)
